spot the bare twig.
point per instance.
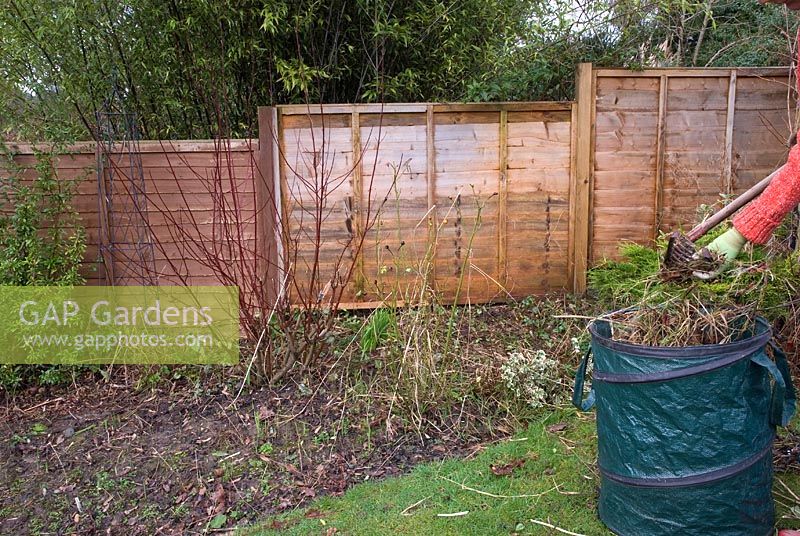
(559, 529)
(496, 495)
(411, 507)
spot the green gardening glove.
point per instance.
(728, 245)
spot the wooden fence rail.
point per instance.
(475, 202)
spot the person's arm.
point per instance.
(756, 222)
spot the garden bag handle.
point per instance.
(577, 393)
(782, 403)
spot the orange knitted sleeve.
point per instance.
(757, 220)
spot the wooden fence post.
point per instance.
(581, 177)
(358, 218)
(430, 177)
(268, 198)
(104, 234)
(727, 161)
(661, 144)
(502, 203)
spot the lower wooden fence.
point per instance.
(151, 215)
(469, 202)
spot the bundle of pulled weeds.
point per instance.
(657, 309)
(680, 324)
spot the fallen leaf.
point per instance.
(507, 468)
(314, 514)
(291, 469)
(560, 427)
(218, 499)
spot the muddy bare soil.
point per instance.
(178, 459)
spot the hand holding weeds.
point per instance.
(727, 246)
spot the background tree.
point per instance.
(178, 62)
(634, 34)
(200, 68)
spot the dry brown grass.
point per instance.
(685, 323)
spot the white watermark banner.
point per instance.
(127, 325)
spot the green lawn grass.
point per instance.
(557, 484)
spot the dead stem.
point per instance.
(687, 323)
(498, 496)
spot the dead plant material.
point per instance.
(667, 307)
(506, 469)
(496, 495)
(786, 452)
(681, 324)
(553, 527)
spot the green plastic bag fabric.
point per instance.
(685, 434)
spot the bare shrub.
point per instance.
(220, 223)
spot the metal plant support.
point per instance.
(126, 242)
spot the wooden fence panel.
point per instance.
(626, 144)
(539, 173)
(764, 121)
(669, 140)
(468, 200)
(317, 182)
(467, 168)
(183, 184)
(394, 167)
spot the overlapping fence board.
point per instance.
(669, 140)
(470, 201)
